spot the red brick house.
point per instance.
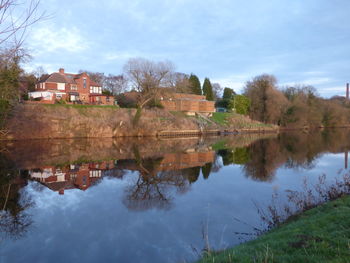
(74, 88)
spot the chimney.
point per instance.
(61, 70)
(347, 91)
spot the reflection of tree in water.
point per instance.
(14, 219)
(239, 155)
(154, 187)
(262, 158)
(154, 190)
(265, 159)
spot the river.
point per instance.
(150, 200)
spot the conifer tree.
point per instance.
(208, 90)
(195, 85)
(228, 93)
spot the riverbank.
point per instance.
(321, 234)
(31, 121)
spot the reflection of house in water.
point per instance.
(80, 176)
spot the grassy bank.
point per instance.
(238, 121)
(321, 234)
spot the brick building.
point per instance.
(74, 88)
(188, 103)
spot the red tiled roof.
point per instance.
(93, 83)
(65, 78)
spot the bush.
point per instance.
(4, 110)
(60, 101)
(241, 104)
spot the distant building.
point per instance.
(74, 88)
(221, 109)
(187, 103)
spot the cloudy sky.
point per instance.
(229, 41)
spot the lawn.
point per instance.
(318, 235)
(221, 118)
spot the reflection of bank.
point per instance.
(73, 176)
(171, 162)
(82, 176)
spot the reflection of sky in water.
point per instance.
(96, 226)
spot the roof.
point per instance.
(93, 83)
(55, 77)
(65, 78)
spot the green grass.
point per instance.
(221, 118)
(219, 145)
(319, 235)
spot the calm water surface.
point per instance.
(131, 200)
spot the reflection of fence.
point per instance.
(187, 133)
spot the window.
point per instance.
(61, 86)
(59, 96)
(74, 87)
(100, 90)
(107, 98)
(84, 83)
(84, 180)
(91, 89)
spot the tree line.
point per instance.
(297, 106)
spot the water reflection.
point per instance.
(156, 171)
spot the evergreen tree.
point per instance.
(208, 90)
(206, 169)
(228, 93)
(195, 85)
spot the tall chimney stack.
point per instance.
(61, 70)
(347, 91)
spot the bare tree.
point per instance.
(267, 102)
(39, 72)
(181, 83)
(217, 90)
(98, 77)
(116, 84)
(15, 18)
(149, 78)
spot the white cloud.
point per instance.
(50, 39)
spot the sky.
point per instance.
(229, 41)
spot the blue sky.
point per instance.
(229, 41)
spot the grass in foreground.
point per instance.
(321, 234)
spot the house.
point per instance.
(73, 88)
(73, 176)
